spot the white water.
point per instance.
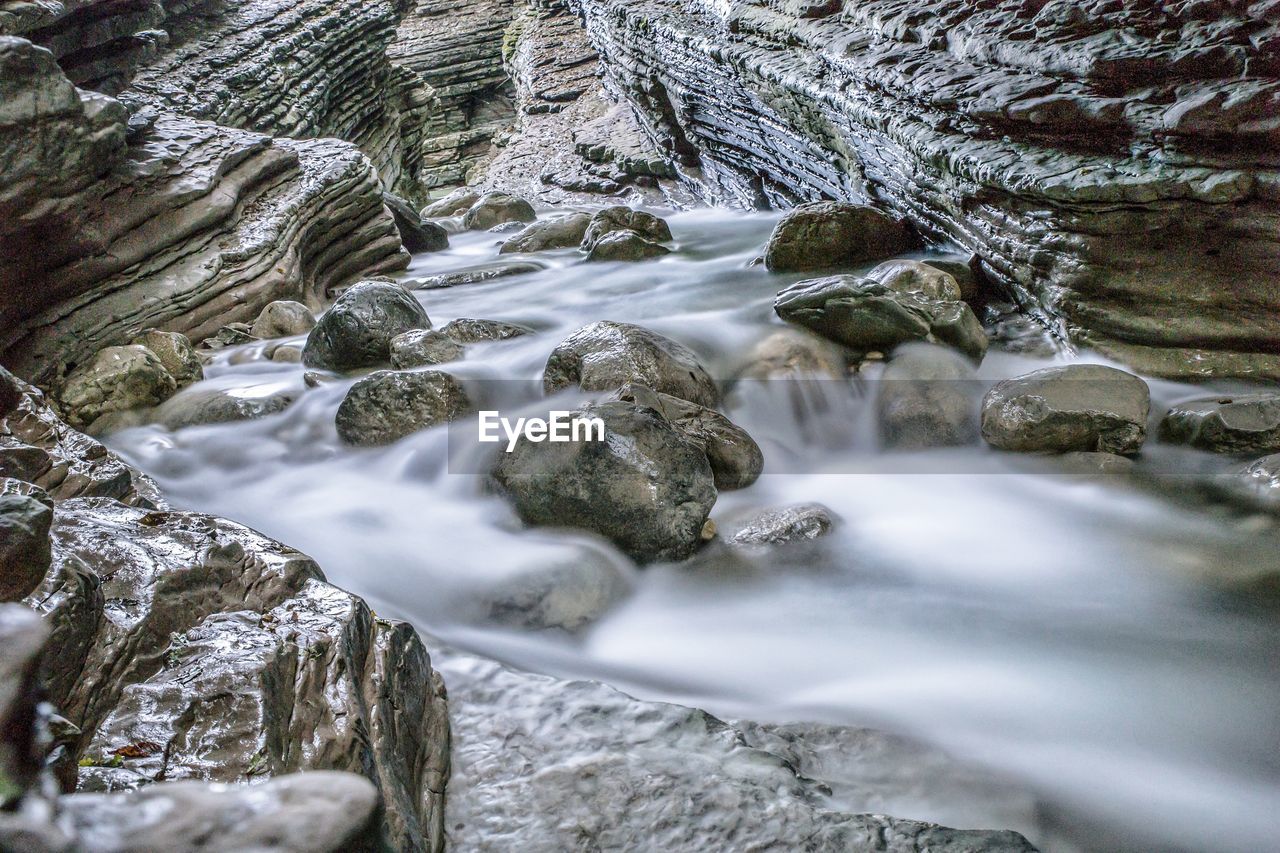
(1056, 629)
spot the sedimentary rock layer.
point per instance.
(1114, 164)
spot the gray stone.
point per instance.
(927, 397)
(1231, 423)
(416, 235)
(455, 203)
(388, 405)
(283, 319)
(217, 406)
(828, 234)
(1080, 407)
(604, 356)
(567, 596)
(904, 276)
(10, 392)
(176, 354)
(793, 353)
(646, 487)
(795, 523)
(357, 331)
(1258, 481)
(561, 232)
(422, 347)
(496, 208)
(25, 551)
(116, 380)
(22, 642)
(475, 275)
(230, 335)
(466, 330)
(616, 219)
(625, 246)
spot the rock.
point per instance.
(465, 330)
(792, 353)
(22, 642)
(646, 488)
(25, 552)
(1087, 464)
(828, 234)
(567, 596)
(218, 406)
(605, 355)
(620, 218)
(561, 232)
(284, 354)
(475, 275)
(1232, 423)
(357, 331)
(496, 208)
(283, 319)
(116, 380)
(867, 316)
(422, 347)
(1258, 481)
(1080, 407)
(416, 235)
(968, 275)
(736, 460)
(10, 392)
(795, 523)
(455, 203)
(903, 276)
(175, 353)
(388, 405)
(625, 246)
(927, 397)
(230, 335)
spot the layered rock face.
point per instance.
(1113, 164)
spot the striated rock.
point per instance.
(118, 379)
(827, 234)
(470, 331)
(1080, 407)
(495, 209)
(217, 406)
(625, 246)
(927, 397)
(357, 330)
(386, 406)
(421, 347)
(620, 218)
(455, 203)
(605, 355)
(416, 235)
(175, 353)
(475, 275)
(917, 277)
(561, 232)
(283, 319)
(795, 523)
(646, 488)
(1243, 423)
(25, 552)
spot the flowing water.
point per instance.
(1066, 631)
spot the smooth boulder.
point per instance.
(455, 203)
(416, 236)
(176, 354)
(905, 276)
(645, 487)
(828, 234)
(1080, 407)
(283, 318)
(496, 209)
(792, 353)
(561, 232)
(1231, 423)
(357, 331)
(780, 525)
(625, 246)
(25, 550)
(117, 379)
(927, 397)
(606, 355)
(568, 595)
(388, 405)
(201, 406)
(422, 347)
(619, 219)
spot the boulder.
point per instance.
(283, 319)
(176, 354)
(357, 331)
(646, 487)
(117, 379)
(466, 330)
(1227, 423)
(416, 235)
(217, 406)
(1080, 407)
(388, 405)
(967, 273)
(793, 353)
(620, 218)
(423, 347)
(475, 275)
(455, 203)
(827, 234)
(868, 316)
(625, 246)
(795, 523)
(561, 232)
(903, 276)
(495, 209)
(567, 596)
(25, 551)
(22, 643)
(927, 397)
(10, 392)
(606, 355)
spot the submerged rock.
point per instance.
(568, 596)
(466, 330)
(827, 234)
(25, 550)
(625, 246)
(495, 209)
(217, 406)
(386, 406)
(795, 523)
(646, 487)
(927, 397)
(792, 353)
(488, 272)
(561, 232)
(357, 331)
(621, 219)
(1232, 423)
(1080, 407)
(606, 355)
(416, 235)
(116, 380)
(283, 319)
(422, 347)
(176, 354)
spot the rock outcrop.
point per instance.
(1111, 164)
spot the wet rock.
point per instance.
(284, 354)
(795, 523)
(466, 330)
(625, 246)
(1258, 481)
(455, 203)
(357, 331)
(116, 380)
(1080, 407)
(22, 642)
(386, 406)
(826, 234)
(646, 487)
(604, 356)
(567, 596)
(736, 460)
(283, 319)
(562, 232)
(416, 235)
(1232, 423)
(1093, 464)
(496, 208)
(927, 397)
(488, 272)
(620, 218)
(10, 392)
(968, 274)
(795, 354)
(422, 347)
(904, 276)
(230, 335)
(176, 354)
(25, 553)
(866, 315)
(218, 406)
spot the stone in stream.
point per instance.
(620, 218)
(568, 595)
(905, 276)
(1079, 407)
(475, 275)
(867, 315)
(117, 379)
(217, 406)
(176, 354)
(416, 235)
(422, 347)
(827, 234)
(357, 331)
(283, 319)
(927, 397)
(455, 203)
(560, 232)
(645, 487)
(1227, 423)
(388, 405)
(26, 513)
(467, 330)
(792, 353)
(625, 246)
(606, 355)
(230, 335)
(794, 523)
(495, 209)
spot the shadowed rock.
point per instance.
(283, 319)
(357, 331)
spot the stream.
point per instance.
(1067, 632)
